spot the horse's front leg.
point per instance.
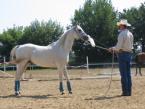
(68, 81)
(61, 89)
(136, 70)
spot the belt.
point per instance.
(122, 51)
(125, 51)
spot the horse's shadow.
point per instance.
(48, 96)
(30, 96)
(103, 97)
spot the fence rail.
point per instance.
(90, 65)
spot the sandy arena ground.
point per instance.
(87, 93)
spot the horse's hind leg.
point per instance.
(68, 81)
(140, 71)
(23, 75)
(20, 69)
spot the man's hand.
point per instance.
(110, 49)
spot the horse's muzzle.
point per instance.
(85, 38)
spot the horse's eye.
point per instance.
(79, 30)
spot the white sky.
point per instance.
(22, 12)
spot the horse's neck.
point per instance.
(66, 42)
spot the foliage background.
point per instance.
(98, 19)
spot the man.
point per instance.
(124, 48)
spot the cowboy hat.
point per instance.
(123, 22)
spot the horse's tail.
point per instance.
(13, 55)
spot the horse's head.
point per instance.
(80, 34)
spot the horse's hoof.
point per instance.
(70, 92)
(62, 93)
(17, 94)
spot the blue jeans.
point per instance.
(124, 59)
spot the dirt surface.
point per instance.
(87, 93)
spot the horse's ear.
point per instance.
(76, 25)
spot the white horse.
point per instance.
(53, 55)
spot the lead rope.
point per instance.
(112, 69)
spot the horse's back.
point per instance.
(25, 51)
(140, 57)
(48, 56)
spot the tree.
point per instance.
(136, 16)
(98, 19)
(9, 39)
(41, 33)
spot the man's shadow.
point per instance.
(103, 97)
